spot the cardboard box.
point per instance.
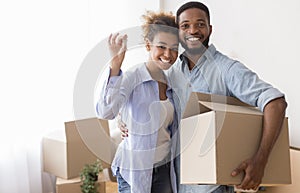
(65, 152)
(218, 133)
(295, 170)
(73, 186)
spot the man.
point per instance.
(209, 71)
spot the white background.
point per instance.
(42, 46)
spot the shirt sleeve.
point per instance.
(114, 94)
(248, 87)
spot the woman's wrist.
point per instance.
(114, 69)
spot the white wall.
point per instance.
(264, 36)
(42, 46)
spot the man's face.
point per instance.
(194, 30)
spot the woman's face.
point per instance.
(163, 50)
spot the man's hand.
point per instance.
(122, 127)
(254, 167)
(253, 170)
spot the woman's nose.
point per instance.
(167, 52)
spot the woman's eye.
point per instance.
(161, 47)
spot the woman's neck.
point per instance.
(156, 73)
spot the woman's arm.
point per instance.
(112, 98)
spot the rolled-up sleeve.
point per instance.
(267, 96)
(248, 87)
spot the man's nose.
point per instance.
(193, 29)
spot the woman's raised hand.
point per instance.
(117, 45)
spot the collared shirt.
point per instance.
(135, 94)
(215, 73)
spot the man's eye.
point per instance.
(185, 26)
(201, 24)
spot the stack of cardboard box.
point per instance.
(217, 133)
(65, 152)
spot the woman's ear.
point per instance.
(147, 45)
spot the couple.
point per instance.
(151, 101)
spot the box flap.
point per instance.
(197, 148)
(219, 99)
(193, 107)
(231, 108)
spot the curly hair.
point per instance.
(155, 22)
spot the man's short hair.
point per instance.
(192, 4)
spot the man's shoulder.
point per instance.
(221, 57)
(223, 61)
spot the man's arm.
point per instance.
(274, 113)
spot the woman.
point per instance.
(143, 162)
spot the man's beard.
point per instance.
(196, 51)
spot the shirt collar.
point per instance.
(209, 53)
(145, 75)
